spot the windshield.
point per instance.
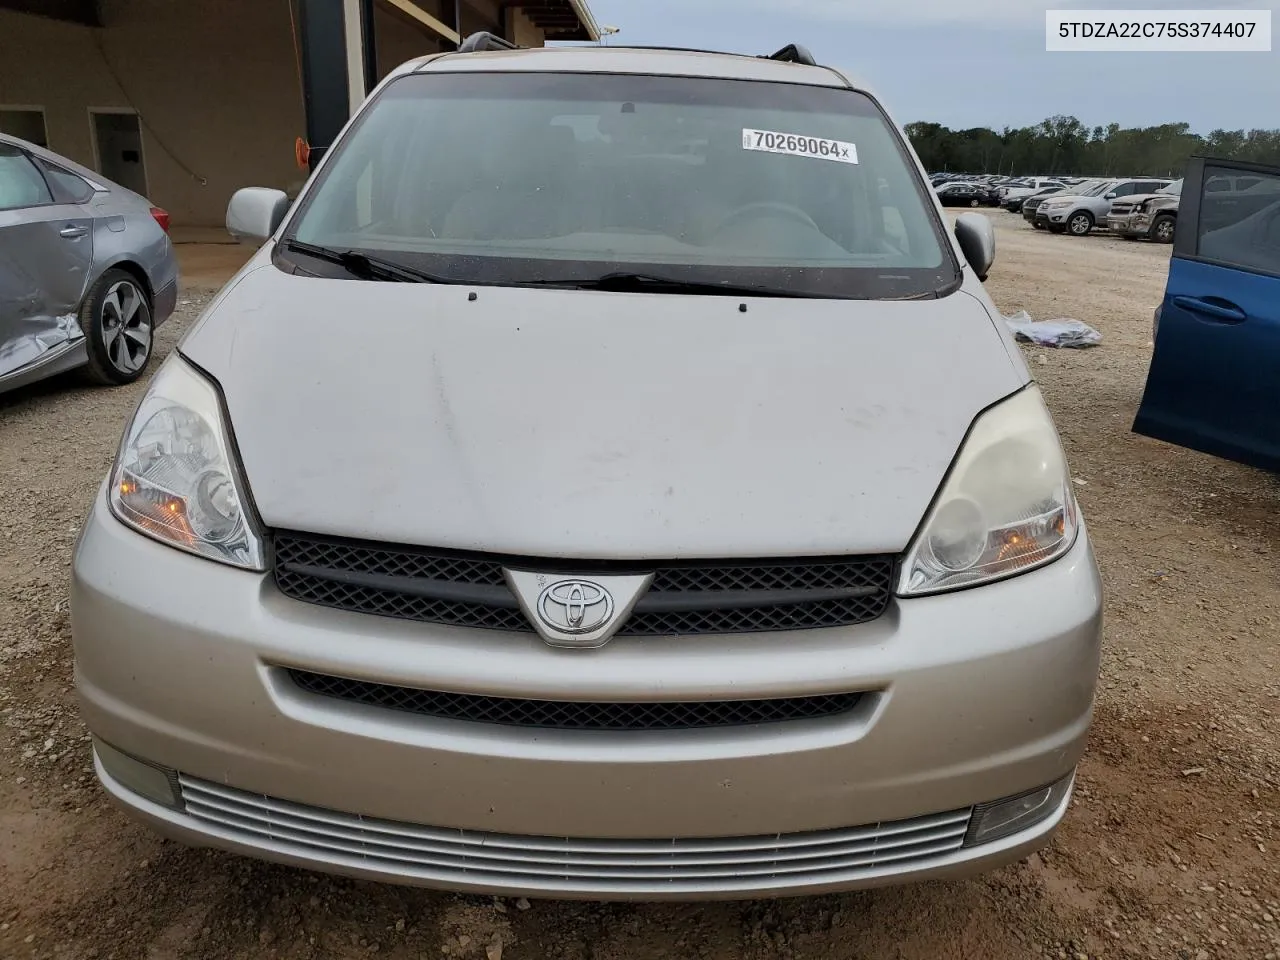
(543, 177)
(1098, 188)
(1173, 189)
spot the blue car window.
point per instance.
(1240, 226)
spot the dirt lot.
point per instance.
(1172, 850)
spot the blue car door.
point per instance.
(1214, 382)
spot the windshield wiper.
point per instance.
(364, 266)
(625, 282)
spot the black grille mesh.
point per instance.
(573, 714)
(311, 568)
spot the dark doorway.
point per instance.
(117, 139)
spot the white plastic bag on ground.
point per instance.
(1053, 333)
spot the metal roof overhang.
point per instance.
(416, 14)
(559, 19)
(75, 11)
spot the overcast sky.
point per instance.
(968, 63)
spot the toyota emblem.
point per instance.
(575, 606)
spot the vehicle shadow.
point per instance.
(327, 917)
(71, 384)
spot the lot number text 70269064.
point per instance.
(798, 145)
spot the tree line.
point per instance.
(1064, 146)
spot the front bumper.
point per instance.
(1130, 225)
(1052, 216)
(970, 697)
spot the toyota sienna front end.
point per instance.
(609, 479)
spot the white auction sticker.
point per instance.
(797, 145)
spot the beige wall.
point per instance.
(523, 32)
(216, 84)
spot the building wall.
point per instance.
(480, 15)
(216, 84)
(522, 30)
(216, 87)
(396, 40)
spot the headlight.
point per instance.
(174, 478)
(1006, 506)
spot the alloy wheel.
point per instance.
(126, 327)
(1080, 225)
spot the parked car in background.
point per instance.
(1153, 216)
(1213, 383)
(1022, 204)
(1032, 185)
(1078, 215)
(1031, 205)
(87, 271)
(957, 194)
(381, 615)
(992, 196)
(1014, 204)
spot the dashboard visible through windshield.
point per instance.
(546, 178)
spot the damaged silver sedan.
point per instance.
(87, 271)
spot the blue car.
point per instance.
(1214, 382)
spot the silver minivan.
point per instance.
(609, 479)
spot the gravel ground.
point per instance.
(1170, 851)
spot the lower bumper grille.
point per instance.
(685, 598)
(575, 714)
(469, 857)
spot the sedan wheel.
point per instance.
(1080, 225)
(974, 202)
(116, 319)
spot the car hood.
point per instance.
(596, 424)
(1136, 198)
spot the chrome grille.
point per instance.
(470, 857)
(688, 597)
(576, 714)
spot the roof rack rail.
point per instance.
(484, 40)
(793, 53)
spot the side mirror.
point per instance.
(977, 240)
(254, 213)
(1110, 196)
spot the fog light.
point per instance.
(158, 784)
(1002, 818)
